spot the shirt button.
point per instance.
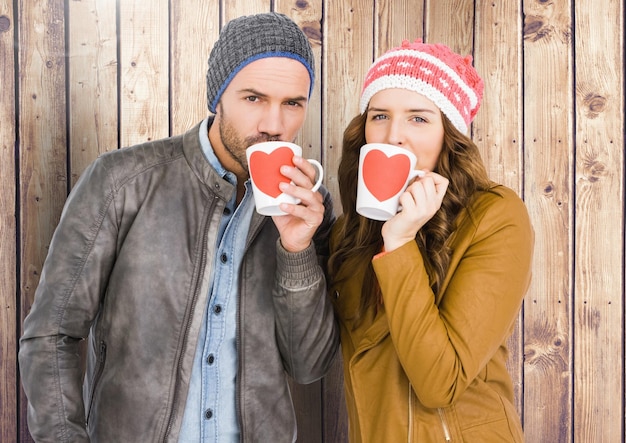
(210, 359)
(224, 258)
(208, 414)
(217, 309)
(226, 210)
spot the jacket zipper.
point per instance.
(101, 359)
(410, 437)
(170, 421)
(240, 356)
(238, 375)
(444, 424)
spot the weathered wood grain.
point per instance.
(236, 8)
(548, 152)
(9, 326)
(397, 21)
(144, 71)
(551, 127)
(450, 22)
(598, 308)
(498, 126)
(349, 42)
(194, 28)
(42, 140)
(308, 15)
(334, 413)
(92, 82)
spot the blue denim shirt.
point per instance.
(211, 408)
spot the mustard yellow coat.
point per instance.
(432, 368)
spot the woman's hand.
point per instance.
(421, 200)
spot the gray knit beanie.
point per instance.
(249, 38)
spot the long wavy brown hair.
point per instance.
(358, 238)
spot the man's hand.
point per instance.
(299, 225)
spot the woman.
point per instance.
(427, 300)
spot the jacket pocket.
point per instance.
(96, 376)
(414, 432)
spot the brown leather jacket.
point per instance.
(127, 268)
(432, 368)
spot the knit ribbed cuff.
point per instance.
(297, 269)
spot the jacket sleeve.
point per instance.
(66, 302)
(443, 344)
(307, 334)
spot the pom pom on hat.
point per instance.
(433, 70)
(252, 37)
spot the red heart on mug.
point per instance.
(385, 176)
(265, 169)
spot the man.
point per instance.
(194, 305)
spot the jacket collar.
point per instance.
(198, 163)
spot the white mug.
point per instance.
(385, 171)
(264, 162)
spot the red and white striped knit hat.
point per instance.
(433, 70)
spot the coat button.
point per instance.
(336, 295)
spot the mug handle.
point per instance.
(320, 174)
(320, 177)
(414, 173)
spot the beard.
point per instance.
(236, 145)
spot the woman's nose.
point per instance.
(395, 134)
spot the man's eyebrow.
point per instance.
(299, 98)
(253, 91)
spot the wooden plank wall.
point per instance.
(81, 77)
